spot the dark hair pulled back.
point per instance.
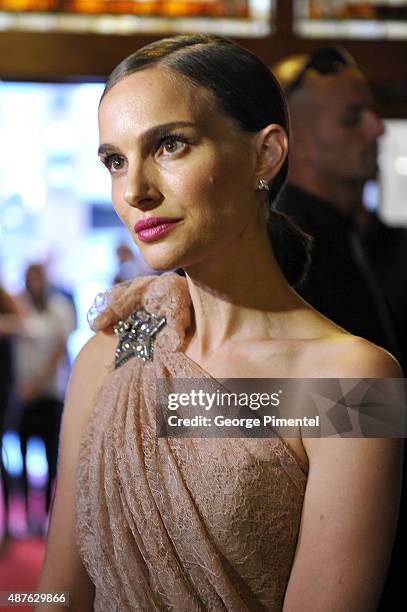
(245, 90)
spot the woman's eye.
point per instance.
(113, 163)
(172, 145)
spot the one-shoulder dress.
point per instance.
(180, 524)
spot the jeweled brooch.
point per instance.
(136, 336)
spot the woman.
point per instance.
(193, 131)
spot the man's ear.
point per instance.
(271, 148)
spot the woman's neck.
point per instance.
(238, 297)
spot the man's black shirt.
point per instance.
(340, 283)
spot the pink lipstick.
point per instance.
(154, 227)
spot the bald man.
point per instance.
(333, 152)
(335, 130)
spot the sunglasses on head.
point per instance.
(328, 60)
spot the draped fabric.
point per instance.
(180, 524)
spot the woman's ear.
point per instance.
(272, 149)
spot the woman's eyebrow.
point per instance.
(106, 148)
(162, 130)
(151, 135)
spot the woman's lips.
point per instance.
(150, 231)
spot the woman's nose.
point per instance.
(140, 190)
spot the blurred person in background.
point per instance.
(42, 368)
(335, 132)
(129, 265)
(10, 324)
(354, 278)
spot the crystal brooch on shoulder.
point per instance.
(136, 336)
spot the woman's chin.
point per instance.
(161, 264)
(162, 257)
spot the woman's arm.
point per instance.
(63, 569)
(349, 514)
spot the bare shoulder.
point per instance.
(92, 364)
(342, 355)
(98, 350)
(356, 357)
(91, 367)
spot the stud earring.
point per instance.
(263, 185)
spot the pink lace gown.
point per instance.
(180, 524)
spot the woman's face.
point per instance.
(183, 174)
